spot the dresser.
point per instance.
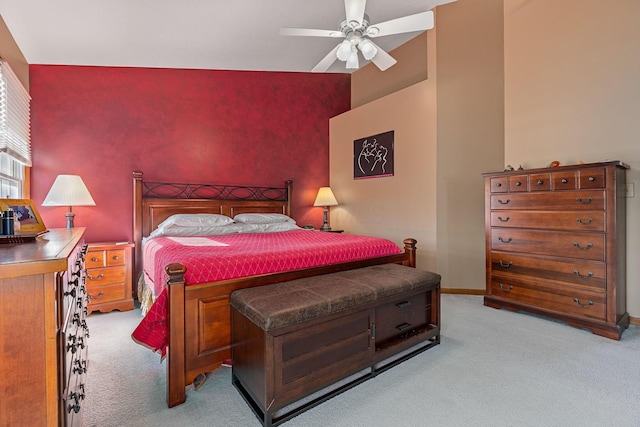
(555, 244)
(110, 276)
(43, 333)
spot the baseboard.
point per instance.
(634, 321)
(462, 291)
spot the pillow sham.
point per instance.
(268, 228)
(262, 218)
(196, 220)
(199, 230)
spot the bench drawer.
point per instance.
(402, 316)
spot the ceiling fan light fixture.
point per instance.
(368, 49)
(344, 50)
(352, 62)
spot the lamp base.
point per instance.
(325, 226)
(69, 215)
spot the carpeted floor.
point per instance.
(492, 368)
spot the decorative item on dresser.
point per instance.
(43, 333)
(556, 244)
(110, 276)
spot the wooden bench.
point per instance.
(296, 344)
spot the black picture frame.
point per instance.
(373, 156)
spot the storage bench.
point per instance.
(296, 344)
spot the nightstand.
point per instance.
(109, 276)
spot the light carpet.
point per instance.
(492, 368)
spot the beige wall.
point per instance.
(10, 52)
(572, 93)
(448, 130)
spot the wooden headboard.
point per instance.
(153, 202)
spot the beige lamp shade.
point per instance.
(68, 190)
(325, 197)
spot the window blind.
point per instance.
(15, 135)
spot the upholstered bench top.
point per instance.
(296, 301)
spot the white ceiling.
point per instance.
(201, 34)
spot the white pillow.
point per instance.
(200, 230)
(262, 218)
(268, 228)
(196, 220)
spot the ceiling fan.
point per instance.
(357, 32)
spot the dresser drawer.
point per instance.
(105, 276)
(499, 184)
(551, 243)
(561, 300)
(540, 182)
(563, 180)
(550, 220)
(569, 200)
(581, 273)
(401, 316)
(592, 178)
(519, 183)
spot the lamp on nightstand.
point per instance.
(68, 190)
(325, 198)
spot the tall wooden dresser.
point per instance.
(556, 244)
(43, 334)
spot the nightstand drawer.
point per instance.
(105, 276)
(109, 258)
(102, 294)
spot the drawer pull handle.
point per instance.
(91, 296)
(591, 179)
(504, 219)
(584, 202)
(564, 180)
(98, 277)
(505, 240)
(583, 248)
(589, 221)
(505, 265)
(506, 202)
(577, 301)
(577, 273)
(518, 184)
(403, 326)
(403, 304)
(116, 257)
(94, 259)
(505, 288)
(540, 182)
(499, 184)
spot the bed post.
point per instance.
(289, 198)
(410, 249)
(176, 368)
(137, 228)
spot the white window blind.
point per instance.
(15, 135)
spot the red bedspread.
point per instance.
(214, 258)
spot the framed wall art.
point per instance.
(26, 212)
(373, 156)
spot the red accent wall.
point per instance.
(196, 126)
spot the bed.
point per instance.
(196, 316)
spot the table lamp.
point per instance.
(325, 198)
(68, 190)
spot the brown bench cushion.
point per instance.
(287, 303)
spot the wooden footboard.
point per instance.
(199, 317)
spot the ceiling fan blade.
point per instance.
(309, 32)
(355, 10)
(382, 59)
(418, 22)
(326, 62)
